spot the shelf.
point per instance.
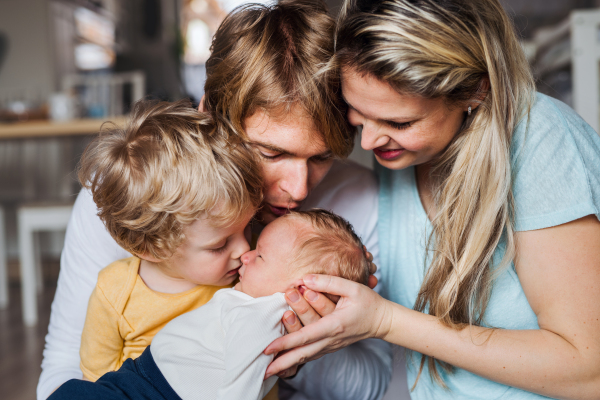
(38, 129)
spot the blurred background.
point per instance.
(68, 65)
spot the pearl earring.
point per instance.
(469, 111)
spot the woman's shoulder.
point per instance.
(551, 117)
(555, 157)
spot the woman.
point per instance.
(489, 208)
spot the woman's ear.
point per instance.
(480, 94)
(201, 107)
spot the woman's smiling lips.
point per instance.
(388, 154)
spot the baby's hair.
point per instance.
(169, 166)
(331, 247)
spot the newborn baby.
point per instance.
(216, 351)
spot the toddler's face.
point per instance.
(209, 255)
(267, 269)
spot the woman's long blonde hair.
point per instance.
(447, 49)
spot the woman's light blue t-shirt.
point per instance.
(556, 179)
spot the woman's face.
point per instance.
(402, 130)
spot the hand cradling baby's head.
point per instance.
(301, 243)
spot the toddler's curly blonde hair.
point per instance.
(169, 166)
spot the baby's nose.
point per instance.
(246, 257)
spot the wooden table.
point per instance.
(39, 129)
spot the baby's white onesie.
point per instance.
(216, 351)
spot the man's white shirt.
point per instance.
(359, 371)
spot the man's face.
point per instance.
(294, 159)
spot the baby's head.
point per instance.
(300, 243)
(174, 188)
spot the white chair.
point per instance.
(3, 266)
(32, 219)
(585, 45)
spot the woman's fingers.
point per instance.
(369, 255)
(308, 334)
(372, 281)
(291, 322)
(320, 303)
(287, 372)
(301, 307)
(330, 284)
(310, 306)
(372, 268)
(294, 357)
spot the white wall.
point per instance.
(28, 66)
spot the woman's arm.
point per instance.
(559, 269)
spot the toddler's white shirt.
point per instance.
(216, 351)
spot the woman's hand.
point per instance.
(310, 306)
(359, 314)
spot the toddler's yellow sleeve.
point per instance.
(101, 341)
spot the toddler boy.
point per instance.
(216, 351)
(177, 192)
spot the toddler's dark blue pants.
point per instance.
(138, 379)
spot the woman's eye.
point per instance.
(399, 125)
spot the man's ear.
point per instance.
(201, 107)
(482, 92)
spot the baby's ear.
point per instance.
(298, 284)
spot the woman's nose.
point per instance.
(371, 136)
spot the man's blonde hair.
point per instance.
(329, 247)
(169, 166)
(270, 58)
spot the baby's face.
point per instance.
(267, 269)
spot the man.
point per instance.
(264, 80)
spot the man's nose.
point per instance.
(371, 136)
(295, 181)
